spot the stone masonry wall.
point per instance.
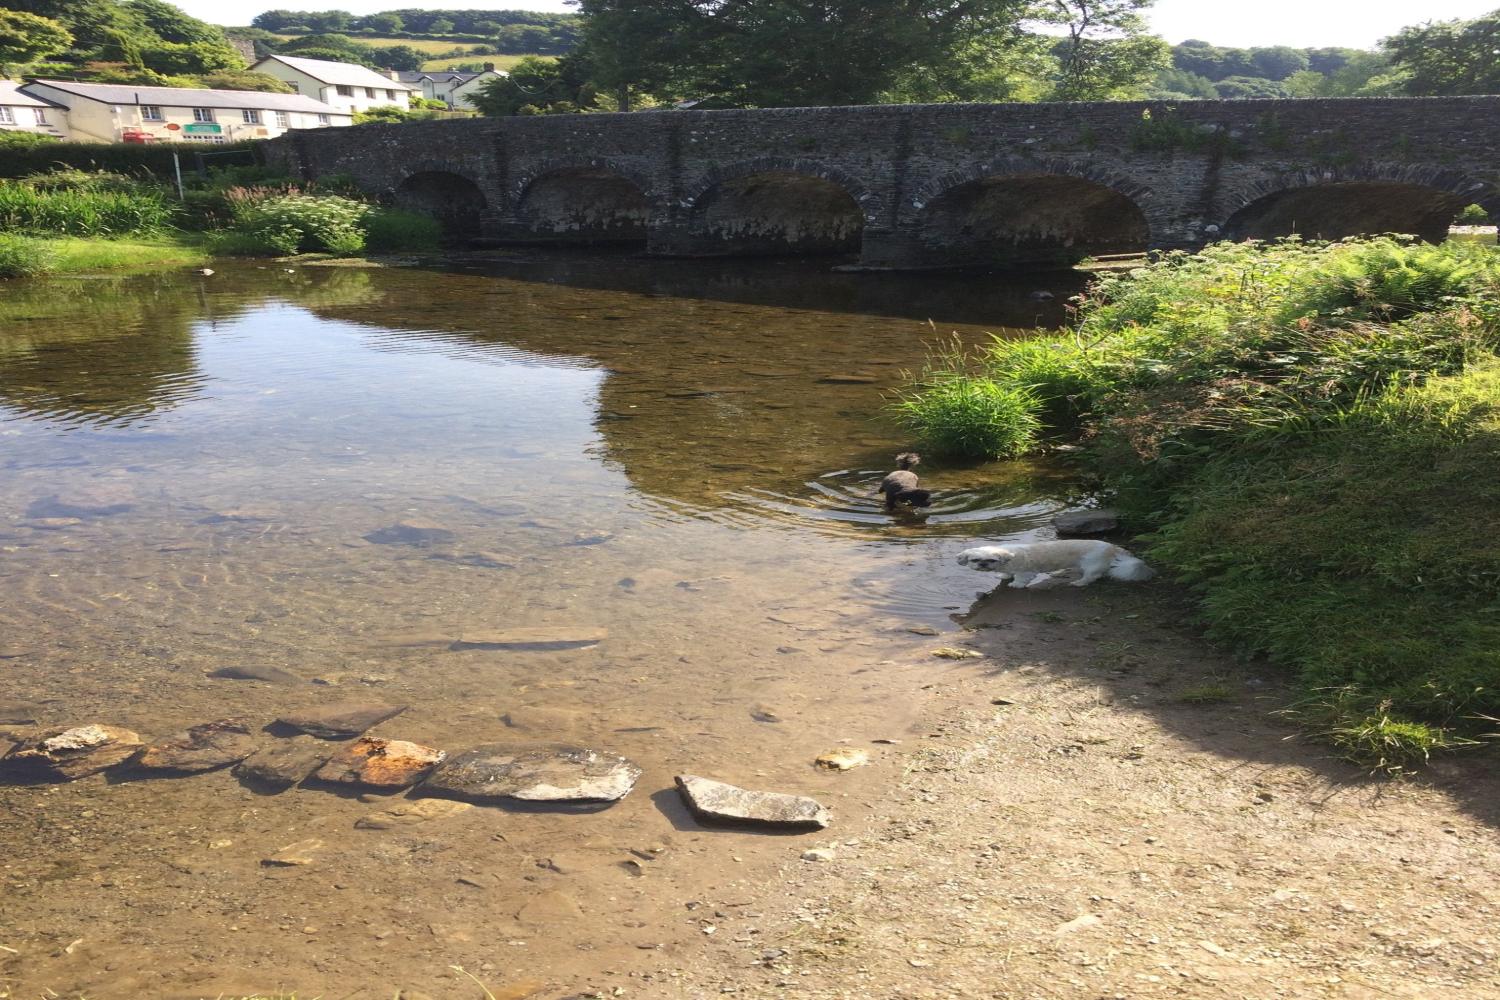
(1188, 167)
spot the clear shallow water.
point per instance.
(683, 454)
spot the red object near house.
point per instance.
(138, 138)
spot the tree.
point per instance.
(441, 26)
(536, 86)
(1241, 88)
(1107, 52)
(400, 57)
(1277, 62)
(26, 38)
(242, 80)
(772, 53)
(172, 25)
(1179, 84)
(385, 24)
(1448, 57)
(100, 28)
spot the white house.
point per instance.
(108, 112)
(345, 86)
(453, 87)
(20, 112)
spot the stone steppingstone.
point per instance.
(205, 747)
(67, 754)
(377, 763)
(283, 764)
(717, 802)
(418, 531)
(340, 720)
(1086, 523)
(495, 773)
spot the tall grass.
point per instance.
(72, 212)
(24, 256)
(955, 410)
(1311, 435)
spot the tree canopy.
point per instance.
(1448, 57)
(26, 37)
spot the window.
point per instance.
(217, 140)
(251, 116)
(390, 95)
(324, 120)
(344, 91)
(150, 113)
(281, 119)
(41, 115)
(7, 116)
(203, 114)
(370, 93)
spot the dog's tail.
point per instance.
(1128, 568)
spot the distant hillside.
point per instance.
(503, 32)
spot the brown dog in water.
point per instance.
(901, 486)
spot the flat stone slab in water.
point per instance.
(493, 772)
(202, 748)
(91, 501)
(256, 672)
(411, 531)
(340, 720)
(70, 753)
(378, 763)
(533, 638)
(283, 764)
(715, 801)
(1083, 523)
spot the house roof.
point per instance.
(11, 95)
(451, 75)
(121, 93)
(337, 73)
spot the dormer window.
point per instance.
(344, 91)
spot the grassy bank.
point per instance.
(35, 256)
(1309, 436)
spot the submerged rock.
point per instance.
(295, 855)
(1084, 523)
(19, 713)
(379, 763)
(70, 753)
(202, 748)
(484, 560)
(256, 672)
(340, 720)
(715, 801)
(411, 531)
(532, 638)
(284, 763)
(494, 773)
(410, 812)
(53, 523)
(97, 500)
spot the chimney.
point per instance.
(394, 74)
(489, 67)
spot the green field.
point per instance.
(432, 47)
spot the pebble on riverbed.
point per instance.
(715, 801)
(70, 753)
(495, 773)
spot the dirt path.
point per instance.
(1102, 837)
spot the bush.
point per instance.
(120, 157)
(24, 257)
(394, 231)
(15, 140)
(1474, 215)
(306, 223)
(957, 413)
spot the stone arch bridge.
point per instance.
(929, 186)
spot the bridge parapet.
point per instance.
(937, 185)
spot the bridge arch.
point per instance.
(446, 191)
(588, 200)
(774, 206)
(1029, 211)
(1337, 202)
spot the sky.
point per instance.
(1299, 23)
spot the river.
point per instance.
(197, 472)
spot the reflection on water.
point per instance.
(682, 455)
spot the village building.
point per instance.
(99, 112)
(345, 86)
(21, 112)
(452, 87)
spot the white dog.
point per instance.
(1038, 563)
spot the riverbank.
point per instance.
(1306, 435)
(1103, 807)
